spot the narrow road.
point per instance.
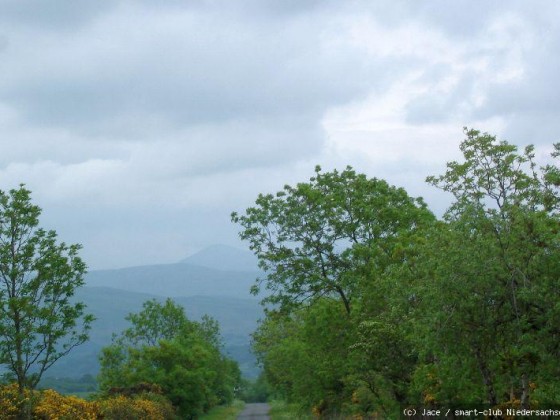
(255, 411)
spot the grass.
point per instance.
(229, 412)
(281, 410)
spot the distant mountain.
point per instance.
(237, 318)
(215, 281)
(176, 280)
(223, 257)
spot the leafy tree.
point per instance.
(39, 323)
(156, 322)
(492, 273)
(305, 354)
(333, 242)
(312, 239)
(162, 346)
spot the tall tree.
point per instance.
(312, 238)
(493, 267)
(39, 323)
(333, 243)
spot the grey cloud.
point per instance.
(517, 39)
(140, 125)
(458, 19)
(185, 71)
(67, 15)
(434, 106)
(463, 19)
(531, 103)
(222, 148)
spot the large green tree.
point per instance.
(491, 293)
(39, 323)
(333, 242)
(316, 239)
(453, 312)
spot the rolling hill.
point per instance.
(221, 292)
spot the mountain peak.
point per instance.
(223, 257)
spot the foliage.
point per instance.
(305, 354)
(280, 410)
(254, 391)
(156, 322)
(52, 405)
(329, 243)
(142, 407)
(49, 404)
(444, 313)
(492, 284)
(38, 276)
(12, 401)
(312, 238)
(183, 357)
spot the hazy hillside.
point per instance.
(175, 280)
(195, 276)
(223, 257)
(214, 281)
(237, 318)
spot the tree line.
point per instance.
(375, 304)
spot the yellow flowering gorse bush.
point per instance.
(124, 408)
(54, 406)
(50, 405)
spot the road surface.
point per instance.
(255, 412)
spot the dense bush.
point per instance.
(182, 357)
(144, 407)
(50, 405)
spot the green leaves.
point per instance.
(495, 176)
(162, 346)
(435, 313)
(38, 276)
(327, 247)
(309, 237)
(488, 288)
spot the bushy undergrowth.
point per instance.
(50, 405)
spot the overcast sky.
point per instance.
(141, 125)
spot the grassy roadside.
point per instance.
(280, 410)
(229, 412)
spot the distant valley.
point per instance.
(215, 281)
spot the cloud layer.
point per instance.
(141, 126)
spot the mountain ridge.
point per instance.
(215, 281)
(233, 274)
(223, 257)
(237, 317)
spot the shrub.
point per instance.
(52, 405)
(140, 408)
(143, 402)
(11, 403)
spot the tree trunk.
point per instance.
(524, 391)
(486, 378)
